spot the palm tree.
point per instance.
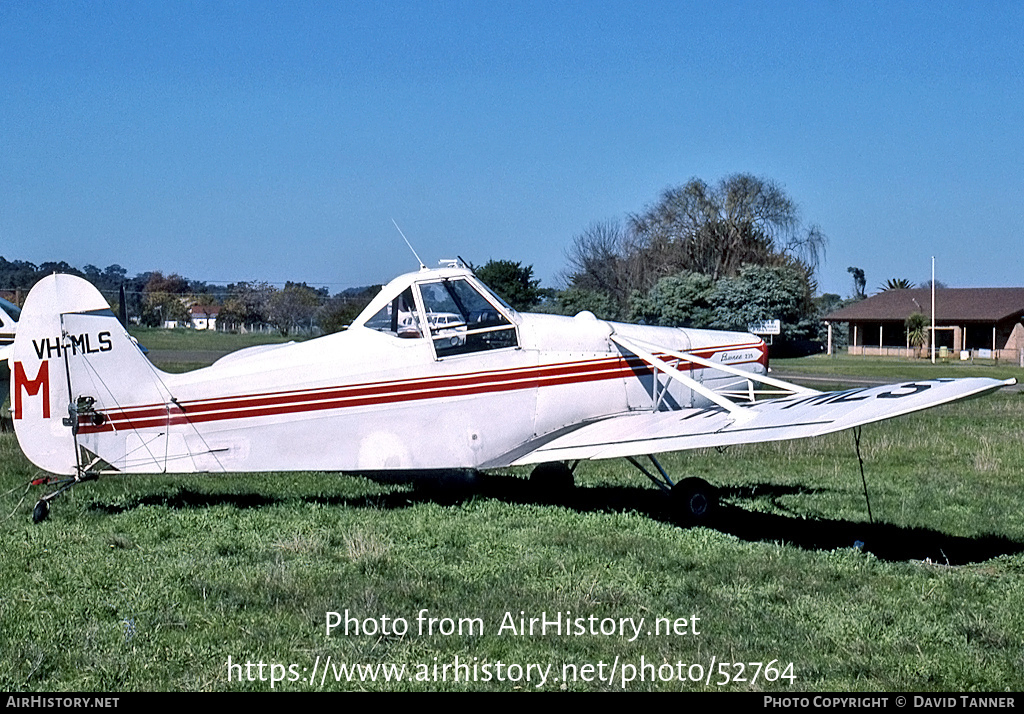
(917, 331)
(896, 284)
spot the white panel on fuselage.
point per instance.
(358, 400)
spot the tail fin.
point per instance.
(73, 367)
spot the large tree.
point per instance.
(246, 304)
(165, 298)
(757, 293)
(699, 228)
(293, 306)
(718, 229)
(514, 282)
(682, 300)
(761, 292)
(599, 263)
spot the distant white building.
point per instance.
(204, 317)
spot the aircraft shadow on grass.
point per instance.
(883, 540)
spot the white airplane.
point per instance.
(8, 325)
(9, 313)
(396, 392)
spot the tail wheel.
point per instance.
(41, 512)
(695, 499)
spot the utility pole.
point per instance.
(933, 309)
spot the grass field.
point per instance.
(154, 338)
(183, 350)
(893, 368)
(153, 583)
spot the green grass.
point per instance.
(152, 583)
(153, 338)
(894, 368)
(182, 350)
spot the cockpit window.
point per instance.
(461, 320)
(400, 317)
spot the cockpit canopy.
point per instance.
(450, 307)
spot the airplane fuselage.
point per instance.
(407, 387)
(361, 400)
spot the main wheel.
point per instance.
(554, 478)
(695, 499)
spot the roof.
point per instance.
(204, 310)
(951, 304)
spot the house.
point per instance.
(970, 319)
(204, 317)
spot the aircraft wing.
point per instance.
(792, 417)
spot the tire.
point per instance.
(695, 499)
(554, 478)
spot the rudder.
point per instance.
(73, 366)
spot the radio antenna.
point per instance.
(422, 266)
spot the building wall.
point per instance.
(1009, 335)
(879, 334)
(1015, 340)
(1010, 356)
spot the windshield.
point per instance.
(461, 320)
(500, 300)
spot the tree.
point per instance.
(292, 307)
(599, 264)
(513, 282)
(763, 292)
(759, 292)
(114, 275)
(165, 299)
(822, 305)
(18, 274)
(337, 313)
(246, 304)
(716, 230)
(896, 284)
(917, 331)
(711, 230)
(682, 300)
(859, 282)
(574, 300)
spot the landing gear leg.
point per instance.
(694, 499)
(42, 508)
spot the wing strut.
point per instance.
(764, 379)
(674, 373)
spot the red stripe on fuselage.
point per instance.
(373, 393)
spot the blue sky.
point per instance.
(276, 141)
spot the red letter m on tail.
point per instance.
(32, 387)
